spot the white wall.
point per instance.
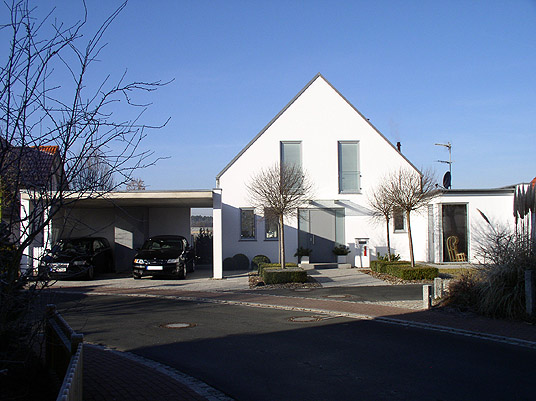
(497, 206)
(319, 118)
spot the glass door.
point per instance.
(454, 226)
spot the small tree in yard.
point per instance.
(51, 114)
(410, 191)
(382, 210)
(277, 192)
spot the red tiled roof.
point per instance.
(49, 149)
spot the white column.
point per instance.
(24, 230)
(217, 250)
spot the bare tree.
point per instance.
(49, 110)
(135, 184)
(277, 192)
(410, 191)
(382, 210)
(94, 173)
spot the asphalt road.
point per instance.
(261, 354)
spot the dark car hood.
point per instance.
(158, 254)
(63, 257)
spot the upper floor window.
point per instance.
(349, 177)
(247, 223)
(291, 153)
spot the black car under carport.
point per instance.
(164, 255)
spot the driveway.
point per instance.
(201, 280)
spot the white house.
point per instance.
(344, 155)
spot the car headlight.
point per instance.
(80, 263)
(139, 261)
(173, 261)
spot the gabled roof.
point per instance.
(319, 75)
(31, 166)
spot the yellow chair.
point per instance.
(452, 247)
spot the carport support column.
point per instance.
(24, 230)
(217, 259)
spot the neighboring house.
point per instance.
(36, 169)
(344, 155)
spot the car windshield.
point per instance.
(82, 245)
(166, 243)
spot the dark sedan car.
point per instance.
(78, 257)
(164, 255)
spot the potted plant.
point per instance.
(341, 251)
(303, 254)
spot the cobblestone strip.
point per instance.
(199, 387)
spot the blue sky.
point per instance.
(422, 71)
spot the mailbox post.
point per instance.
(362, 257)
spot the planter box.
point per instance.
(304, 260)
(342, 259)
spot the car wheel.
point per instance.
(136, 276)
(191, 266)
(90, 273)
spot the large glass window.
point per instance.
(454, 222)
(349, 167)
(247, 223)
(399, 219)
(291, 153)
(271, 227)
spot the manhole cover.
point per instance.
(338, 296)
(179, 325)
(305, 319)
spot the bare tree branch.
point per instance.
(410, 191)
(278, 191)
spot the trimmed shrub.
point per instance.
(262, 266)
(276, 275)
(382, 266)
(403, 270)
(257, 260)
(417, 272)
(242, 261)
(229, 264)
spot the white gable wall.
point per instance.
(319, 118)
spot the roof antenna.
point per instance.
(448, 175)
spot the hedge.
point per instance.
(241, 261)
(229, 264)
(258, 260)
(262, 266)
(404, 270)
(276, 275)
(381, 266)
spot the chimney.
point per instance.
(398, 146)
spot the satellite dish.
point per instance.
(446, 180)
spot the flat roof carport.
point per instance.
(210, 198)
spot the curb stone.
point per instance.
(401, 322)
(201, 388)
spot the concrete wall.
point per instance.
(319, 118)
